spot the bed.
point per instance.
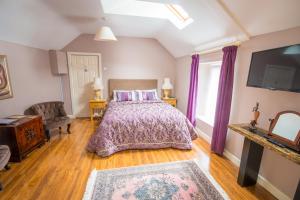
(140, 124)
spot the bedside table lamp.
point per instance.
(98, 86)
(166, 88)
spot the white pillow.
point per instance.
(132, 92)
(140, 96)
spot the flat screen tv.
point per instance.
(276, 69)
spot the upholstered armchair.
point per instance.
(53, 115)
(4, 158)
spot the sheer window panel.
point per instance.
(209, 74)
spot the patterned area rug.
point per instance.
(181, 180)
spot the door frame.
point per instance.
(69, 54)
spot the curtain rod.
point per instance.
(215, 49)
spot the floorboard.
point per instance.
(60, 168)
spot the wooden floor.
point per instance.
(60, 169)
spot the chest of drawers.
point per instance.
(23, 136)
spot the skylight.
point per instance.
(178, 11)
(172, 12)
(180, 14)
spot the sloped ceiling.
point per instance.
(52, 24)
(32, 23)
(265, 16)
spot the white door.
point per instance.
(83, 68)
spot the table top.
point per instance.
(97, 100)
(287, 153)
(20, 121)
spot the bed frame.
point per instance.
(130, 84)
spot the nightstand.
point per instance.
(97, 105)
(171, 101)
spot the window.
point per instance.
(209, 74)
(174, 13)
(180, 18)
(178, 11)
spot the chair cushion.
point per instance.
(57, 122)
(4, 155)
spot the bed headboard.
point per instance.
(130, 84)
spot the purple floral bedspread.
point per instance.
(141, 125)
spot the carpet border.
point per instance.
(89, 190)
(93, 175)
(212, 180)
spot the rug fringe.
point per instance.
(90, 186)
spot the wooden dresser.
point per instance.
(23, 136)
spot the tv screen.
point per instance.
(276, 69)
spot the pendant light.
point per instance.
(105, 34)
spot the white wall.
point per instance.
(128, 58)
(280, 172)
(31, 78)
(183, 67)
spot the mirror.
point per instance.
(285, 129)
(287, 126)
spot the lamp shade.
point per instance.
(105, 34)
(98, 85)
(167, 84)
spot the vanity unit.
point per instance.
(254, 144)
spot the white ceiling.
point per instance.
(265, 16)
(52, 24)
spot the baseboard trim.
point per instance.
(203, 135)
(72, 116)
(260, 180)
(236, 161)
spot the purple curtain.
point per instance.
(191, 107)
(223, 100)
